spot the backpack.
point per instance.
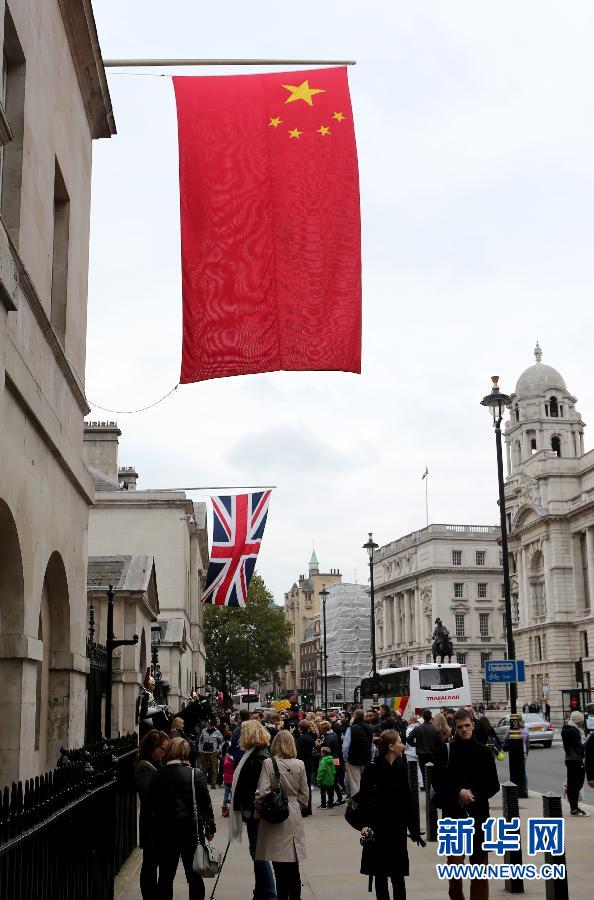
(274, 806)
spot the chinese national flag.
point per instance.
(271, 257)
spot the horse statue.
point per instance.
(442, 643)
(158, 715)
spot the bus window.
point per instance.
(440, 679)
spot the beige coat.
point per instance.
(284, 842)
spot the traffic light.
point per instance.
(574, 701)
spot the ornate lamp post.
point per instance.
(324, 597)
(497, 403)
(371, 547)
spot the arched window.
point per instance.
(556, 444)
(554, 408)
(517, 412)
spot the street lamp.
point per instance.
(324, 597)
(371, 547)
(497, 403)
(250, 631)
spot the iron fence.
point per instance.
(65, 834)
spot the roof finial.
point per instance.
(537, 353)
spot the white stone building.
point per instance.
(165, 525)
(54, 102)
(453, 572)
(550, 512)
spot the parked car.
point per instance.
(539, 730)
(589, 715)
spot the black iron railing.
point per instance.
(65, 834)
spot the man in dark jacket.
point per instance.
(356, 749)
(574, 760)
(463, 791)
(427, 740)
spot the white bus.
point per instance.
(413, 688)
(245, 699)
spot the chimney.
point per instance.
(129, 476)
(100, 446)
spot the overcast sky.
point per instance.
(474, 126)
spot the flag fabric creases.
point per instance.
(270, 222)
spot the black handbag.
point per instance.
(274, 806)
(353, 812)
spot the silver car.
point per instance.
(539, 730)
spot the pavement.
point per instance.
(331, 869)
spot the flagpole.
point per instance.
(214, 487)
(427, 498)
(134, 63)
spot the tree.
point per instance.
(227, 630)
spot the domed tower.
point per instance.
(542, 417)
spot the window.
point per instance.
(460, 620)
(503, 590)
(481, 557)
(584, 643)
(14, 106)
(458, 589)
(482, 590)
(537, 648)
(517, 412)
(556, 444)
(456, 557)
(503, 623)
(485, 657)
(486, 691)
(484, 624)
(432, 679)
(501, 557)
(461, 659)
(553, 408)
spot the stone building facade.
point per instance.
(167, 526)
(302, 604)
(549, 497)
(54, 103)
(311, 661)
(452, 572)
(348, 642)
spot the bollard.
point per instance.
(556, 889)
(413, 784)
(511, 810)
(430, 807)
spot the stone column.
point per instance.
(590, 555)
(524, 590)
(546, 561)
(408, 609)
(397, 619)
(578, 573)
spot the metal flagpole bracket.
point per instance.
(159, 63)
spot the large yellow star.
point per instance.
(324, 130)
(295, 133)
(338, 116)
(302, 92)
(275, 122)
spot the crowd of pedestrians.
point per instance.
(358, 755)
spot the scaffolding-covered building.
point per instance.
(348, 640)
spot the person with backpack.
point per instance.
(386, 814)
(356, 749)
(283, 843)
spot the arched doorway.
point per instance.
(537, 586)
(53, 707)
(12, 607)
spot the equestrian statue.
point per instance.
(442, 643)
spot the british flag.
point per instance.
(238, 526)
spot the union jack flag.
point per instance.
(238, 526)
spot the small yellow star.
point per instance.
(324, 130)
(295, 133)
(338, 116)
(275, 122)
(302, 92)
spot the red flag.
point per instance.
(271, 258)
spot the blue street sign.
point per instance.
(505, 670)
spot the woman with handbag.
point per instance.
(254, 740)
(182, 817)
(385, 812)
(283, 842)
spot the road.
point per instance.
(546, 771)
